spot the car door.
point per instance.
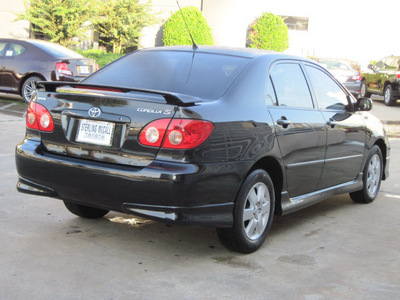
(346, 131)
(13, 66)
(2, 51)
(300, 127)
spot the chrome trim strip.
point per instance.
(322, 161)
(345, 157)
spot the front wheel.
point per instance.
(388, 96)
(253, 214)
(372, 177)
(85, 211)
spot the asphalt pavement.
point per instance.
(335, 249)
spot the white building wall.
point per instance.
(9, 28)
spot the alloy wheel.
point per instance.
(256, 211)
(374, 174)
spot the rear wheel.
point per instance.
(372, 177)
(363, 90)
(85, 211)
(29, 88)
(388, 96)
(253, 214)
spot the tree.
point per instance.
(120, 22)
(176, 32)
(269, 32)
(61, 20)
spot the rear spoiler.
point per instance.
(169, 97)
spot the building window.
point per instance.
(296, 23)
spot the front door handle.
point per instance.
(284, 122)
(331, 122)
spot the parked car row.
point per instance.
(25, 62)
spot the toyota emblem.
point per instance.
(94, 112)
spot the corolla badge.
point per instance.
(94, 112)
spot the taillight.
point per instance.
(62, 68)
(356, 77)
(39, 118)
(96, 67)
(175, 134)
(398, 75)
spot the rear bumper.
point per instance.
(353, 87)
(171, 192)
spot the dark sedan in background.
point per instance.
(383, 79)
(24, 62)
(205, 136)
(344, 72)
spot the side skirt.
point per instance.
(290, 205)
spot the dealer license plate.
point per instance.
(84, 69)
(95, 132)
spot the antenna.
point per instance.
(184, 19)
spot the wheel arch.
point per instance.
(382, 145)
(272, 166)
(26, 77)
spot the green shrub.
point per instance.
(102, 57)
(269, 32)
(176, 33)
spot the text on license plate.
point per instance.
(84, 69)
(95, 132)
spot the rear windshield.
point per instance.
(200, 75)
(57, 50)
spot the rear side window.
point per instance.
(290, 86)
(14, 50)
(329, 93)
(202, 75)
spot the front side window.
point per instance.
(329, 93)
(2, 48)
(290, 86)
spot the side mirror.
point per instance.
(364, 104)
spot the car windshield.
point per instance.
(335, 64)
(57, 50)
(202, 75)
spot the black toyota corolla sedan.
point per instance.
(207, 136)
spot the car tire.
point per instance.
(253, 214)
(364, 91)
(372, 177)
(388, 96)
(29, 87)
(84, 211)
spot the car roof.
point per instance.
(241, 52)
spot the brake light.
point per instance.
(39, 118)
(62, 68)
(356, 77)
(176, 134)
(398, 75)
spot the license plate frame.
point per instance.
(84, 70)
(95, 132)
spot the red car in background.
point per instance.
(24, 62)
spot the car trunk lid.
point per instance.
(103, 123)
